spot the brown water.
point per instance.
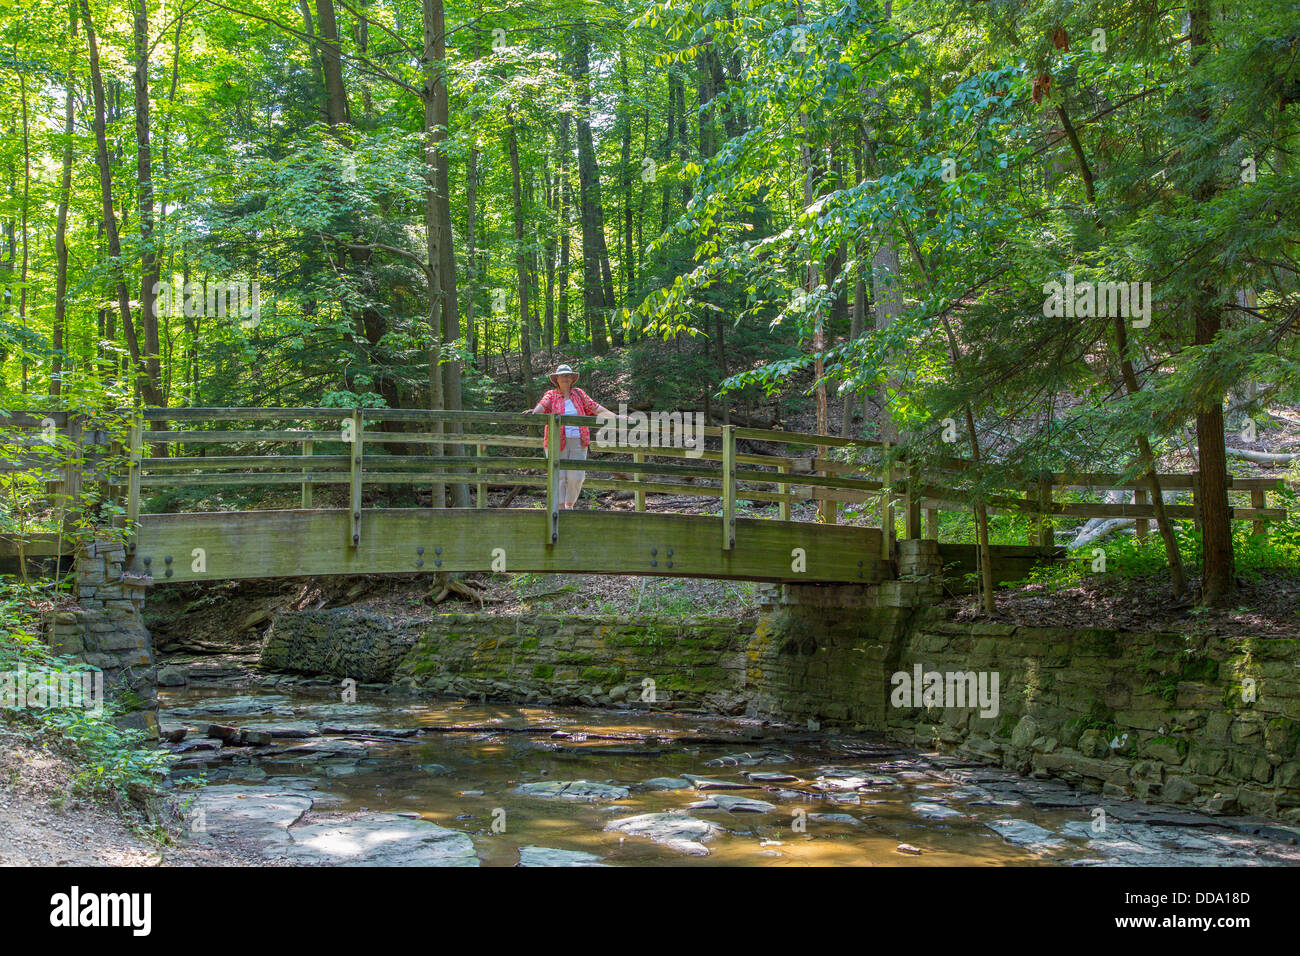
(478, 770)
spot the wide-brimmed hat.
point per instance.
(562, 370)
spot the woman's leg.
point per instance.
(573, 479)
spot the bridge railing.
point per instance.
(372, 447)
(351, 449)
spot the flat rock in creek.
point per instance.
(243, 706)
(935, 811)
(707, 783)
(846, 783)
(572, 790)
(285, 729)
(1026, 834)
(677, 831)
(337, 713)
(260, 814)
(377, 839)
(546, 856)
(324, 749)
(749, 759)
(734, 804)
(368, 730)
(771, 776)
(666, 783)
(1138, 844)
(844, 818)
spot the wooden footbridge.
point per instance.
(341, 490)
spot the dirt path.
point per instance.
(43, 824)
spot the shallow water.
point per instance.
(466, 780)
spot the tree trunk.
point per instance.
(149, 264)
(432, 71)
(336, 96)
(521, 260)
(61, 227)
(106, 192)
(27, 192)
(566, 205)
(595, 257)
(1218, 576)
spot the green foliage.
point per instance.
(109, 760)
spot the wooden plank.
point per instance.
(465, 438)
(452, 478)
(33, 419)
(452, 461)
(298, 543)
(37, 544)
(354, 496)
(639, 494)
(784, 490)
(1258, 502)
(1046, 531)
(241, 414)
(133, 479)
(654, 451)
(912, 506)
(163, 465)
(480, 496)
(802, 438)
(749, 474)
(886, 507)
(1142, 526)
(215, 436)
(307, 447)
(552, 497)
(444, 415)
(1010, 562)
(728, 487)
(237, 478)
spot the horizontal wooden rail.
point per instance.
(367, 447)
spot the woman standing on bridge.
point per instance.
(565, 399)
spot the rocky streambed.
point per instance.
(298, 777)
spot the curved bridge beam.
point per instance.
(258, 544)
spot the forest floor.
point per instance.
(1267, 607)
(46, 822)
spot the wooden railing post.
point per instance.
(1259, 499)
(1035, 517)
(886, 505)
(75, 468)
(784, 490)
(354, 499)
(308, 447)
(133, 478)
(639, 496)
(932, 523)
(728, 487)
(481, 497)
(1196, 500)
(1141, 525)
(1046, 530)
(913, 502)
(552, 496)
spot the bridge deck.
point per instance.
(254, 544)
